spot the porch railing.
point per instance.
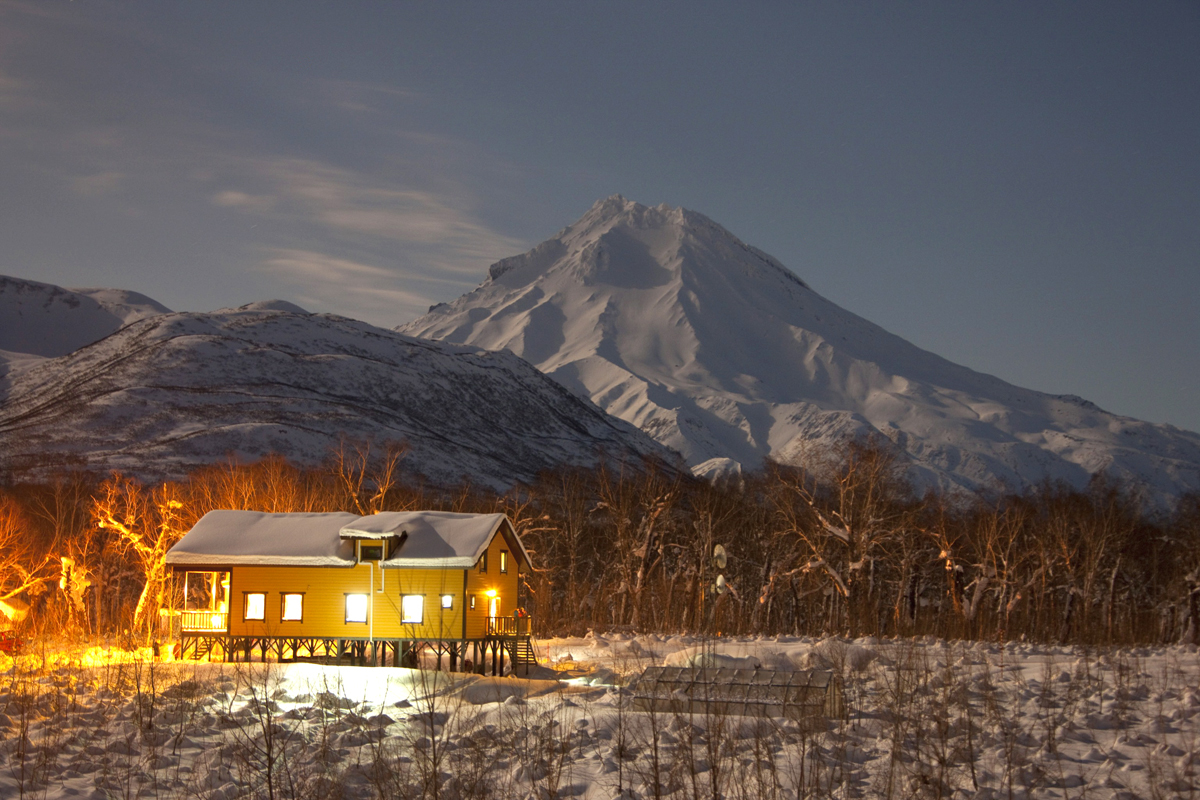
(510, 626)
(204, 620)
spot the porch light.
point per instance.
(490, 592)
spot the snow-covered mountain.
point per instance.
(667, 320)
(40, 320)
(180, 389)
(44, 320)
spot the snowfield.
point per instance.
(922, 718)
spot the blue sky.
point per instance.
(1014, 186)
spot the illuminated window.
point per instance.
(256, 605)
(447, 601)
(356, 608)
(293, 608)
(412, 608)
(504, 561)
(206, 591)
(483, 562)
(472, 601)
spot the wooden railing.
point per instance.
(204, 620)
(510, 626)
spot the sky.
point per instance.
(1014, 186)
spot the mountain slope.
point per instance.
(45, 320)
(665, 319)
(177, 390)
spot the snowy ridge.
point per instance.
(665, 319)
(45, 320)
(177, 390)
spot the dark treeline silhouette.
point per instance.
(842, 548)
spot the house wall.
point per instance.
(325, 589)
(505, 584)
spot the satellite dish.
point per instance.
(719, 557)
(719, 587)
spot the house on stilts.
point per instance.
(374, 590)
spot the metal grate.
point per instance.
(747, 692)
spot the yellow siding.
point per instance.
(504, 584)
(324, 591)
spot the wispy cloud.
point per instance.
(259, 204)
(325, 281)
(101, 183)
(10, 87)
(386, 247)
(351, 203)
(377, 219)
(362, 97)
(309, 265)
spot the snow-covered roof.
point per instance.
(429, 539)
(254, 537)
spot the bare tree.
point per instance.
(146, 526)
(365, 478)
(24, 567)
(846, 525)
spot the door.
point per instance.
(493, 607)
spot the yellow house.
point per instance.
(390, 585)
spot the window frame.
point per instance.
(246, 607)
(283, 596)
(404, 619)
(483, 563)
(364, 544)
(366, 608)
(503, 562)
(447, 602)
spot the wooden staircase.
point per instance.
(515, 636)
(523, 654)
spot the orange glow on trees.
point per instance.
(22, 568)
(146, 527)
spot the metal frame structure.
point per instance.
(798, 694)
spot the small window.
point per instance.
(412, 608)
(483, 562)
(370, 552)
(255, 606)
(356, 607)
(293, 607)
(504, 561)
(472, 602)
(447, 601)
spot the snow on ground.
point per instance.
(923, 718)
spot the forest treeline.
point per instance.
(841, 548)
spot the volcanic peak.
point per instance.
(646, 238)
(663, 318)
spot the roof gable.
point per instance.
(430, 538)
